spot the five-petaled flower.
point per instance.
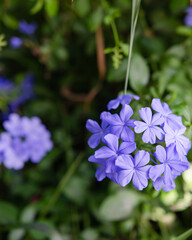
(149, 127)
(134, 168)
(169, 166)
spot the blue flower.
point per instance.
(100, 172)
(113, 151)
(8, 156)
(134, 168)
(120, 124)
(176, 138)
(15, 42)
(169, 166)
(149, 127)
(121, 99)
(27, 28)
(26, 92)
(164, 112)
(25, 139)
(5, 85)
(188, 17)
(98, 132)
(116, 162)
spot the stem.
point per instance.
(115, 33)
(61, 185)
(134, 17)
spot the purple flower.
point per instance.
(15, 42)
(98, 132)
(100, 172)
(169, 166)
(27, 139)
(121, 99)
(113, 151)
(134, 168)
(120, 124)
(149, 127)
(8, 156)
(164, 111)
(27, 28)
(26, 92)
(5, 85)
(188, 17)
(175, 137)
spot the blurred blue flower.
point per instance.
(27, 28)
(25, 139)
(5, 85)
(15, 42)
(26, 92)
(15, 95)
(188, 17)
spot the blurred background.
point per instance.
(63, 61)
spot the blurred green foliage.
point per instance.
(59, 198)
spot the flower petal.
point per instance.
(124, 177)
(156, 171)
(124, 162)
(100, 173)
(113, 104)
(140, 126)
(141, 158)
(125, 113)
(146, 114)
(92, 126)
(160, 154)
(112, 141)
(104, 152)
(94, 140)
(139, 181)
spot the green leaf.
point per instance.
(8, 213)
(95, 19)
(90, 233)
(76, 187)
(118, 75)
(118, 206)
(82, 7)
(37, 7)
(16, 234)
(185, 235)
(139, 73)
(184, 31)
(10, 21)
(51, 7)
(28, 214)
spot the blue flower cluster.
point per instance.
(15, 95)
(24, 139)
(25, 28)
(159, 126)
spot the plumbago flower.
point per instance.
(15, 95)
(121, 161)
(27, 28)
(24, 139)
